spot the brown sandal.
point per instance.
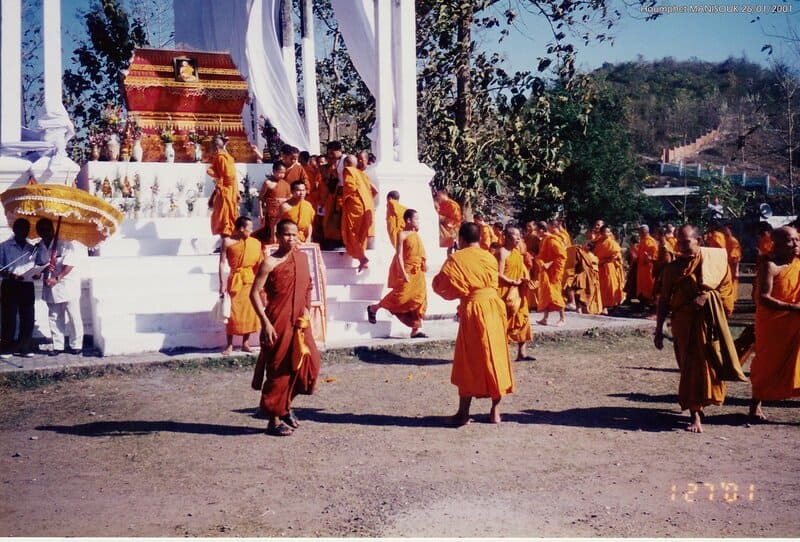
(280, 430)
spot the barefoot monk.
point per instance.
(481, 365)
(513, 280)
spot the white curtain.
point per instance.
(247, 29)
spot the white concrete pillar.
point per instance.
(383, 100)
(310, 78)
(51, 35)
(11, 73)
(407, 91)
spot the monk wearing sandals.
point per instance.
(289, 361)
(481, 364)
(408, 298)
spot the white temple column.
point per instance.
(51, 34)
(407, 91)
(383, 100)
(11, 73)
(310, 77)
(287, 45)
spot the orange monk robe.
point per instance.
(358, 212)
(481, 364)
(271, 200)
(645, 281)
(734, 257)
(515, 299)
(703, 344)
(408, 300)
(569, 266)
(303, 215)
(314, 178)
(288, 293)
(329, 198)
(714, 239)
(296, 172)
(765, 245)
(532, 249)
(673, 242)
(587, 280)
(394, 219)
(551, 249)
(487, 236)
(449, 222)
(775, 371)
(225, 206)
(243, 257)
(612, 279)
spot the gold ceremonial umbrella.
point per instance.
(81, 216)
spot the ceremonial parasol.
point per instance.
(80, 216)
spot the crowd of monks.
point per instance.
(499, 274)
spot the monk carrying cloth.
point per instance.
(697, 289)
(224, 201)
(481, 364)
(289, 361)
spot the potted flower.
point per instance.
(135, 135)
(196, 138)
(168, 138)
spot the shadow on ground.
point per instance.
(144, 427)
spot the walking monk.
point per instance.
(513, 280)
(449, 218)
(243, 254)
(299, 211)
(289, 357)
(358, 212)
(775, 370)
(647, 255)
(697, 289)
(734, 250)
(408, 299)
(395, 212)
(612, 279)
(224, 200)
(274, 192)
(551, 260)
(481, 365)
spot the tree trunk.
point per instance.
(463, 113)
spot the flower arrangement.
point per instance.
(200, 188)
(117, 184)
(154, 189)
(195, 137)
(180, 186)
(134, 131)
(167, 136)
(191, 197)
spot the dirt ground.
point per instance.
(592, 444)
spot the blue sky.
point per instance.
(706, 36)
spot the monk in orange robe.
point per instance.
(764, 236)
(532, 242)
(274, 192)
(395, 211)
(299, 211)
(289, 358)
(243, 255)
(714, 238)
(669, 237)
(481, 365)
(586, 284)
(408, 299)
(775, 370)
(647, 255)
(488, 237)
(551, 261)
(224, 201)
(734, 250)
(499, 236)
(358, 212)
(311, 167)
(513, 276)
(597, 231)
(449, 218)
(612, 279)
(697, 290)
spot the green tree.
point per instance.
(95, 80)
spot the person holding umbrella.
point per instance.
(61, 287)
(16, 291)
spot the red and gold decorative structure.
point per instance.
(183, 92)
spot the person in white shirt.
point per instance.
(16, 291)
(61, 287)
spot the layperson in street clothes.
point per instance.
(358, 212)
(550, 261)
(274, 192)
(289, 361)
(408, 299)
(243, 254)
(61, 287)
(612, 278)
(481, 364)
(775, 370)
(697, 291)
(449, 218)
(647, 252)
(17, 256)
(513, 283)
(395, 213)
(299, 211)
(224, 201)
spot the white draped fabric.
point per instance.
(247, 29)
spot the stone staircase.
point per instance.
(153, 285)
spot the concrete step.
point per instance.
(340, 292)
(162, 289)
(129, 246)
(156, 266)
(116, 343)
(166, 228)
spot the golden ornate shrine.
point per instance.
(186, 91)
